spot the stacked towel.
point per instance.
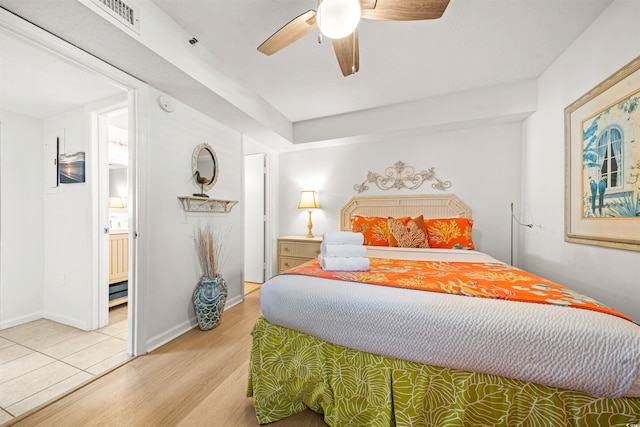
(348, 251)
(343, 238)
(343, 251)
(343, 263)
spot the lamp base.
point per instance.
(309, 226)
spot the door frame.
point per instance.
(135, 91)
(100, 113)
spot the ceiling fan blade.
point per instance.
(291, 32)
(348, 53)
(403, 10)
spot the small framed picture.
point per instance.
(71, 168)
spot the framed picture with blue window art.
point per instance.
(602, 162)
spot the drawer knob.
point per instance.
(286, 249)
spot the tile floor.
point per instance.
(42, 360)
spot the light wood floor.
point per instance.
(198, 379)
(251, 287)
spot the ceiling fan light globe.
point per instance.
(338, 18)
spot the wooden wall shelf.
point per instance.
(206, 205)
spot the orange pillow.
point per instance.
(450, 233)
(413, 234)
(375, 229)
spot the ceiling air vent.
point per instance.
(124, 12)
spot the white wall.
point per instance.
(118, 186)
(118, 182)
(483, 165)
(609, 275)
(68, 231)
(21, 219)
(168, 263)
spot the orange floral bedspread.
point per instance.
(485, 280)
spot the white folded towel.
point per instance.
(343, 238)
(348, 251)
(343, 264)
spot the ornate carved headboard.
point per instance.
(429, 205)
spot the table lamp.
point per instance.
(309, 200)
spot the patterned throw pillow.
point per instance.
(413, 234)
(450, 233)
(375, 229)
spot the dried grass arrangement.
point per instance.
(210, 296)
(209, 242)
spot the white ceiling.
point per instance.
(476, 43)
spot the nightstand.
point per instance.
(296, 250)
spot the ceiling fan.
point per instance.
(338, 19)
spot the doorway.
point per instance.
(114, 131)
(113, 205)
(254, 218)
(47, 284)
(49, 94)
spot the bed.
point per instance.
(367, 355)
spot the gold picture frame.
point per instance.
(602, 163)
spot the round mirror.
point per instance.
(204, 167)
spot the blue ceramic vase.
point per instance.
(209, 299)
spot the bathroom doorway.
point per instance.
(113, 153)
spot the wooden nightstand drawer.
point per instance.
(294, 249)
(285, 263)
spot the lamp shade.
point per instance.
(116, 202)
(308, 200)
(338, 18)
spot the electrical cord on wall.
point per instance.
(513, 218)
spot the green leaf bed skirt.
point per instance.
(291, 371)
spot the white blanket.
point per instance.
(564, 347)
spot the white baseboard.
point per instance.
(233, 301)
(69, 321)
(9, 323)
(175, 332)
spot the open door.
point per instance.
(254, 212)
(113, 202)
